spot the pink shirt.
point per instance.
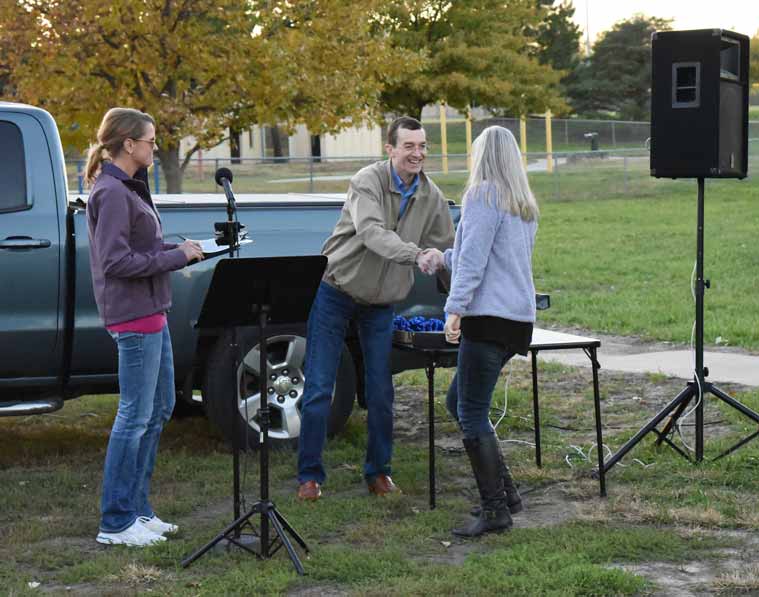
(149, 324)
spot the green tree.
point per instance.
(558, 36)
(616, 79)
(754, 62)
(198, 66)
(474, 52)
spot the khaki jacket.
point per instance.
(371, 254)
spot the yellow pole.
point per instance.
(443, 138)
(523, 138)
(549, 143)
(469, 139)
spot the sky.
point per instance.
(737, 15)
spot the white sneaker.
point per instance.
(158, 526)
(137, 535)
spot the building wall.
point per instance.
(363, 141)
(300, 142)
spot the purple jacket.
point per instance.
(130, 263)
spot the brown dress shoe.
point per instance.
(309, 491)
(382, 485)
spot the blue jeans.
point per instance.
(327, 324)
(471, 392)
(146, 383)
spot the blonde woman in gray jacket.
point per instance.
(490, 310)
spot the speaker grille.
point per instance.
(731, 118)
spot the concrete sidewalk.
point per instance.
(632, 355)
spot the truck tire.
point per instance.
(226, 405)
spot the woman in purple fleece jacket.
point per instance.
(130, 274)
(490, 310)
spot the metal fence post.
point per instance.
(556, 181)
(468, 134)
(613, 135)
(157, 177)
(444, 136)
(625, 178)
(80, 175)
(549, 142)
(311, 174)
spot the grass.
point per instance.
(568, 542)
(624, 266)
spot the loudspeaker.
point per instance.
(699, 104)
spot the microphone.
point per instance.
(223, 178)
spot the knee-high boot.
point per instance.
(484, 456)
(512, 493)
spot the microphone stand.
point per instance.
(231, 234)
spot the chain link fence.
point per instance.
(566, 174)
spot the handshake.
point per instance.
(430, 261)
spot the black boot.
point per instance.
(494, 517)
(512, 493)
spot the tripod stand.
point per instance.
(699, 387)
(260, 291)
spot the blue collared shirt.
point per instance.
(406, 193)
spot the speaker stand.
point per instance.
(698, 388)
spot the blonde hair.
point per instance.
(118, 125)
(498, 171)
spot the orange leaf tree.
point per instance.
(197, 66)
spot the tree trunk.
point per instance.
(234, 145)
(171, 169)
(276, 142)
(417, 113)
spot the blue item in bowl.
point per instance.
(418, 324)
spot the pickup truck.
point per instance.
(53, 346)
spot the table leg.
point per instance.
(431, 424)
(536, 407)
(599, 438)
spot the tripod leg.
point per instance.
(729, 400)
(632, 442)
(672, 420)
(293, 533)
(233, 528)
(272, 517)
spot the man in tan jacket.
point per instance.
(394, 218)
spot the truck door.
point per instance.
(30, 250)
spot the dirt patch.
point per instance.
(730, 571)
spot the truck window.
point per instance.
(12, 168)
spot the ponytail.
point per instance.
(94, 161)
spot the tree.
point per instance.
(474, 52)
(558, 36)
(616, 79)
(198, 66)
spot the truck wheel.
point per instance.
(231, 409)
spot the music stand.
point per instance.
(259, 291)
